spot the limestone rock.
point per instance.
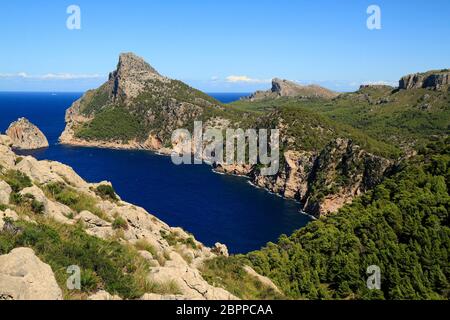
(26, 136)
(190, 283)
(103, 295)
(264, 280)
(55, 210)
(431, 80)
(221, 249)
(286, 88)
(5, 141)
(23, 276)
(5, 192)
(155, 297)
(91, 220)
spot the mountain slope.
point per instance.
(408, 116)
(402, 226)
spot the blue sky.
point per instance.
(220, 46)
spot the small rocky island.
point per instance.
(26, 136)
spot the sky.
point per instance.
(221, 46)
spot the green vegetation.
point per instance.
(312, 132)
(173, 238)
(120, 223)
(77, 201)
(230, 274)
(402, 226)
(112, 124)
(108, 265)
(106, 192)
(396, 117)
(16, 180)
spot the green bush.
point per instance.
(17, 180)
(108, 265)
(112, 124)
(120, 223)
(402, 226)
(77, 201)
(230, 274)
(106, 192)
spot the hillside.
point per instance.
(51, 219)
(402, 117)
(401, 226)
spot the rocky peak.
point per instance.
(26, 136)
(429, 80)
(286, 88)
(131, 76)
(133, 65)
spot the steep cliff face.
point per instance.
(286, 88)
(26, 136)
(430, 80)
(326, 181)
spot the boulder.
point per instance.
(221, 249)
(5, 192)
(23, 276)
(189, 282)
(103, 295)
(91, 220)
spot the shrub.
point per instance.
(114, 267)
(120, 223)
(17, 180)
(37, 207)
(106, 192)
(76, 200)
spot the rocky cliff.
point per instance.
(430, 80)
(286, 88)
(48, 207)
(323, 181)
(26, 136)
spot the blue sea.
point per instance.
(215, 208)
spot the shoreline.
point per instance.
(165, 152)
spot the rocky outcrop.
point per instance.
(286, 88)
(23, 276)
(5, 192)
(26, 136)
(430, 80)
(326, 181)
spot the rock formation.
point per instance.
(429, 80)
(24, 276)
(324, 181)
(285, 88)
(26, 136)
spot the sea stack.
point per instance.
(26, 136)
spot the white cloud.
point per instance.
(50, 76)
(381, 82)
(245, 79)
